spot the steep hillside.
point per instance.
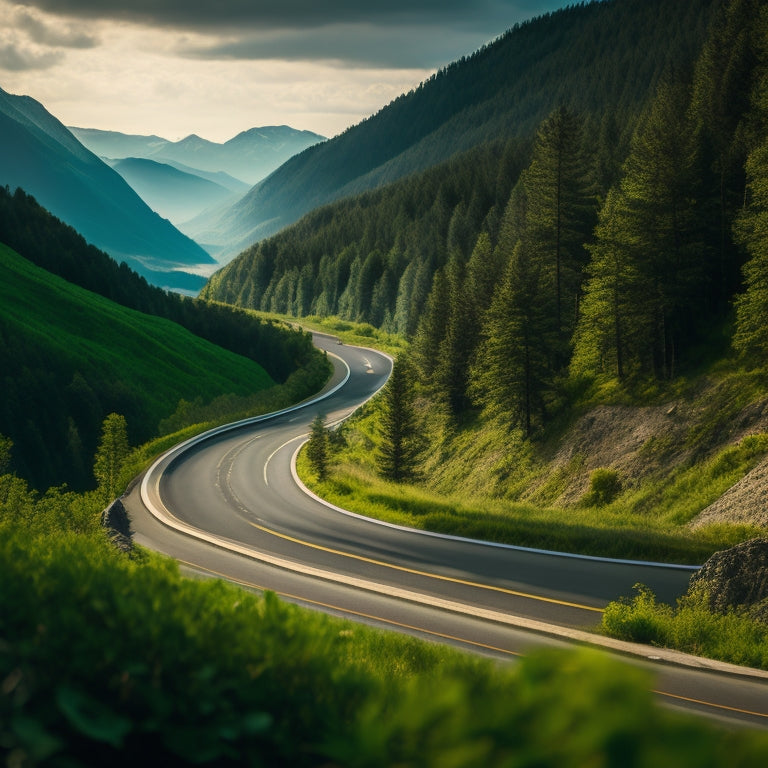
(40, 237)
(69, 357)
(39, 154)
(174, 194)
(600, 59)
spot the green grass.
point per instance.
(155, 360)
(593, 531)
(358, 334)
(691, 627)
(647, 521)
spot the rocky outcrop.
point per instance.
(745, 503)
(736, 578)
(115, 519)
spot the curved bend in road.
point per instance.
(229, 505)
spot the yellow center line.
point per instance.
(444, 636)
(426, 574)
(710, 704)
(350, 612)
(234, 453)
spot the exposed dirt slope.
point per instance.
(639, 443)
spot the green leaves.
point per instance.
(111, 454)
(92, 717)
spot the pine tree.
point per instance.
(398, 448)
(430, 333)
(511, 371)
(751, 336)
(662, 221)
(614, 328)
(650, 264)
(317, 447)
(110, 456)
(559, 214)
(5, 454)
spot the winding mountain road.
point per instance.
(229, 505)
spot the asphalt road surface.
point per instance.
(230, 506)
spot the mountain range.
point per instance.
(177, 195)
(250, 156)
(40, 155)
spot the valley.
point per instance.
(438, 441)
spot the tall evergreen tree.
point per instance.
(559, 214)
(511, 372)
(651, 237)
(425, 349)
(398, 448)
(614, 331)
(110, 456)
(317, 447)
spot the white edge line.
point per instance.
(621, 646)
(480, 542)
(180, 448)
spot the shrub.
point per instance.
(604, 487)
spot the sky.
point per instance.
(219, 67)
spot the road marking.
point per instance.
(416, 572)
(724, 707)
(266, 464)
(371, 561)
(454, 638)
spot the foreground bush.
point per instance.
(691, 626)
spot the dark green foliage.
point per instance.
(751, 337)
(100, 357)
(512, 372)
(398, 448)
(318, 448)
(614, 328)
(69, 357)
(107, 659)
(6, 444)
(45, 241)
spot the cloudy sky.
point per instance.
(217, 67)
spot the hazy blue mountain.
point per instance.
(40, 155)
(174, 194)
(217, 177)
(250, 156)
(118, 145)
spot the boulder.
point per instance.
(736, 578)
(115, 519)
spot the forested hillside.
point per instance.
(515, 268)
(599, 59)
(69, 357)
(81, 336)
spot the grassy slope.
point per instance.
(480, 481)
(156, 361)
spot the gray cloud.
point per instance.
(15, 58)
(367, 33)
(268, 13)
(354, 45)
(298, 14)
(68, 36)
